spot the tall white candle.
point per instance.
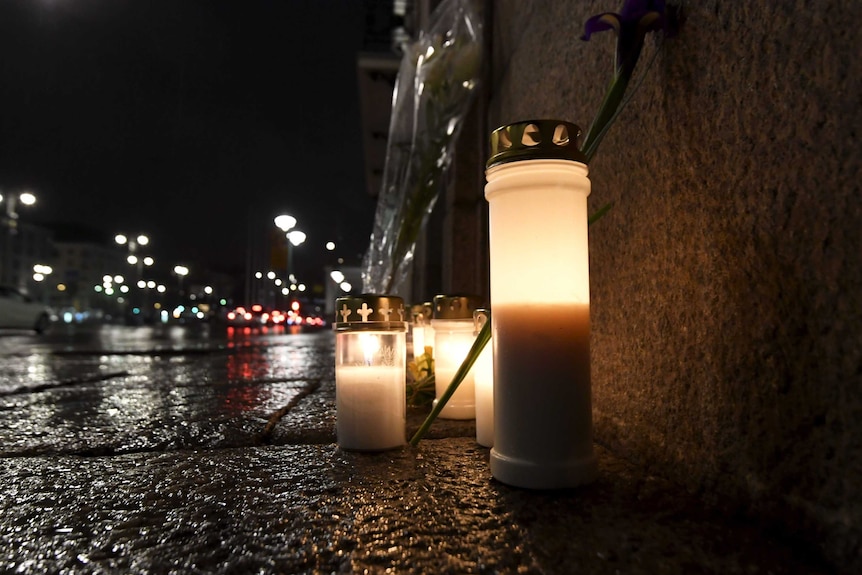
(370, 407)
(537, 201)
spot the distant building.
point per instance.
(79, 267)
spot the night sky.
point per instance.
(189, 120)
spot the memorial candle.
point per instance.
(537, 190)
(417, 330)
(428, 332)
(483, 378)
(453, 336)
(370, 372)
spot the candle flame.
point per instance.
(370, 346)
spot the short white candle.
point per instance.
(428, 337)
(370, 407)
(418, 340)
(451, 347)
(483, 376)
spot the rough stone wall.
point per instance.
(726, 281)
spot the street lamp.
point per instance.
(286, 223)
(11, 221)
(11, 200)
(133, 244)
(40, 274)
(295, 238)
(181, 271)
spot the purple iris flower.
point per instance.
(631, 24)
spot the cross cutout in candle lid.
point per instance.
(365, 311)
(345, 313)
(387, 311)
(401, 312)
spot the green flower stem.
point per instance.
(482, 339)
(600, 213)
(607, 112)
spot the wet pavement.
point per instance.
(183, 449)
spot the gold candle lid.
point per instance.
(535, 140)
(456, 306)
(370, 311)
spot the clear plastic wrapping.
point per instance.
(436, 82)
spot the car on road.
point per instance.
(255, 316)
(19, 311)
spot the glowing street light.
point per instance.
(182, 272)
(27, 198)
(296, 237)
(133, 245)
(40, 272)
(9, 201)
(284, 222)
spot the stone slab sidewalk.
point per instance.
(224, 461)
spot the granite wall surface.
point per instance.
(726, 280)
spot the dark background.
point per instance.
(194, 121)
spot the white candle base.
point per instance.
(450, 411)
(371, 407)
(533, 475)
(542, 406)
(484, 380)
(453, 340)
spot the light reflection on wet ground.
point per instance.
(127, 389)
(179, 483)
